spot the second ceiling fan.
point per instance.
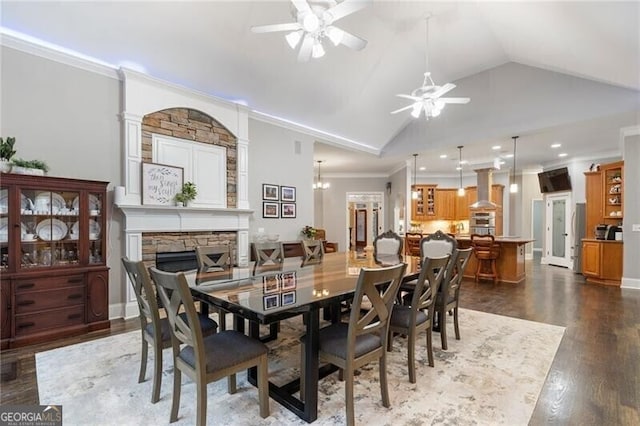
(428, 97)
(314, 22)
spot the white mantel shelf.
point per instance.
(143, 218)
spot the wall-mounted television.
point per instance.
(554, 180)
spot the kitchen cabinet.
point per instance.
(613, 193)
(594, 198)
(602, 261)
(424, 207)
(446, 202)
(53, 243)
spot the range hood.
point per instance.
(484, 190)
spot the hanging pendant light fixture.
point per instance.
(460, 187)
(319, 184)
(513, 188)
(414, 190)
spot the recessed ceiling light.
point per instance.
(458, 168)
(556, 145)
(562, 154)
(496, 147)
(464, 162)
(502, 161)
(422, 168)
(443, 156)
(508, 156)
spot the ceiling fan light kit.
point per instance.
(427, 97)
(314, 23)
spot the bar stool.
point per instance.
(487, 253)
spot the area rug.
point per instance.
(493, 375)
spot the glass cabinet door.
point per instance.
(4, 228)
(49, 234)
(96, 222)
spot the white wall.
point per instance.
(273, 159)
(631, 266)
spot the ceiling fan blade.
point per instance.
(305, 50)
(301, 5)
(347, 7)
(413, 98)
(293, 26)
(354, 42)
(455, 100)
(442, 90)
(402, 109)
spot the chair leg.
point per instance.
(231, 383)
(157, 372)
(478, 269)
(201, 414)
(348, 389)
(143, 360)
(303, 368)
(263, 386)
(443, 330)
(222, 320)
(411, 355)
(175, 405)
(455, 323)
(493, 271)
(384, 388)
(390, 341)
(430, 346)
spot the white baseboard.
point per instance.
(630, 283)
(124, 311)
(528, 256)
(543, 261)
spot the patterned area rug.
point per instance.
(493, 375)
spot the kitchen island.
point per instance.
(510, 262)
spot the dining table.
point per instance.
(272, 293)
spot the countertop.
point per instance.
(594, 240)
(499, 239)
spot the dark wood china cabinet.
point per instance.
(53, 242)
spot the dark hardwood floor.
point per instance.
(594, 378)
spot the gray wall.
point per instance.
(631, 266)
(68, 118)
(396, 198)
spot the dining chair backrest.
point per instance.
(145, 293)
(380, 286)
(387, 243)
(437, 244)
(413, 243)
(313, 252)
(214, 258)
(451, 285)
(428, 283)
(268, 253)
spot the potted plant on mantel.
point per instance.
(187, 194)
(6, 153)
(29, 167)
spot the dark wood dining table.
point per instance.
(270, 294)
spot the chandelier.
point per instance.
(319, 184)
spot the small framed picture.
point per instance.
(270, 284)
(270, 209)
(271, 301)
(288, 210)
(288, 298)
(288, 193)
(289, 280)
(270, 192)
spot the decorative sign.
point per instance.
(160, 183)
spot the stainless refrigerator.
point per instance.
(578, 226)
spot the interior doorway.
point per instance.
(557, 250)
(365, 218)
(361, 228)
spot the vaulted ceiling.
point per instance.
(565, 72)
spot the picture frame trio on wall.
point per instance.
(278, 201)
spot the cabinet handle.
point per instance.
(26, 324)
(26, 302)
(28, 285)
(74, 296)
(75, 280)
(74, 316)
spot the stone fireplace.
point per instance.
(153, 107)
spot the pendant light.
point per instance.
(414, 190)
(460, 187)
(319, 184)
(513, 188)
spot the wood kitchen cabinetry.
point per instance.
(446, 203)
(602, 261)
(424, 207)
(53, 241)
(594, 212)
(613, 193)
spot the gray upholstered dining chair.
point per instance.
(363, 339)
(312, 252)
(418, 314)
(449, 294)
(155, 330)
(387, 243)
(206, 359)
(214, 258)
(437, 244)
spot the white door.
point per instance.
(557, 250)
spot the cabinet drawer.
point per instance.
(49, 283)
(40, 300)
(55, 318)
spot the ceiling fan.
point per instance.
(314, 22)
(428, 97)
